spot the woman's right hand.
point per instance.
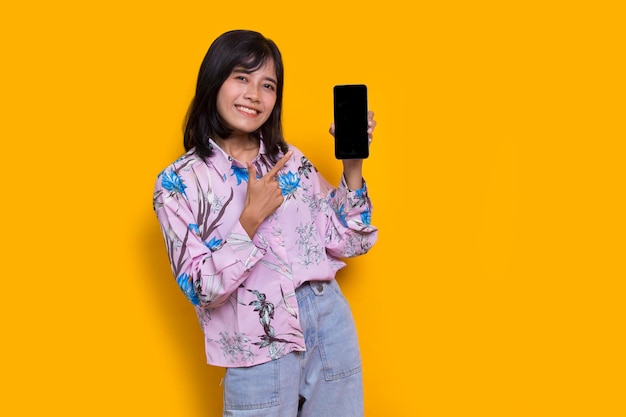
(263, 196)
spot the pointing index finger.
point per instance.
(281, 163)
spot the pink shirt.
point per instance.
(243, 289)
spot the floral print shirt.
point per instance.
(243, 289)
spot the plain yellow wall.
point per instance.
(497, 173)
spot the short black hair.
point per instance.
(250, 50)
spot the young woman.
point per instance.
(255, 237)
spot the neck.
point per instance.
(242, 148)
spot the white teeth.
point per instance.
(247, 110)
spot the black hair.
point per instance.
(250, 50)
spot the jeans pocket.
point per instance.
(337, 336)
(252, 388)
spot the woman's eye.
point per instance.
(269, 86)
(240, 78)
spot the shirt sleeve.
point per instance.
(349, 230)
(207, 272)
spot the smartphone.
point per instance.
(350, 108)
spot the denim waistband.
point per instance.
(312, 287)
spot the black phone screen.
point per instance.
(350, 108)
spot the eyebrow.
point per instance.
(242, 70)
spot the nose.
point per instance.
(251, 93)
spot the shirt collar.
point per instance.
(223, 163)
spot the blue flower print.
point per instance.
(214, 244)
(194, 229)
(288, 183)
(186, 284)
(360, 193)
(341, 214)
(366, 217)
(173, 183)
(240, 173)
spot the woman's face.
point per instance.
(246, 99)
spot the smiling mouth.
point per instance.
(247, 110)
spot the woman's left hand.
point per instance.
(371, 124)
(353, 168)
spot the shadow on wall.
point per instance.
(181, 326)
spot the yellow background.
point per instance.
(497, 173)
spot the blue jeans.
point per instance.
(324, 381)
